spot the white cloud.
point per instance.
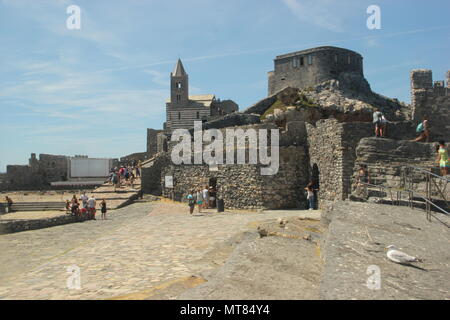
(321, 13)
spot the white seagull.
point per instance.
(398, 256)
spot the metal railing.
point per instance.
(435, 185)
(411, 195)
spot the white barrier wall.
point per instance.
(85, 167)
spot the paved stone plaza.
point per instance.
(138, 248)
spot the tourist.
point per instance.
(127, 174)
(84, 198)
(132, 179)
(75, 206)
(115, 181)
(423, 130)
(205, 197)
(363, 178)
(363, 174)
(103, 209)
(383, 128)
(191, 202)
(199, 198)
(310, 195)
(67, 206)
(138, 171)
(91, 207)
(9, 204)
(377, 121)
(212, 197)
(444, 161)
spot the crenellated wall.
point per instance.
(431, 100)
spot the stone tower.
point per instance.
(307, 68)
(179, 85)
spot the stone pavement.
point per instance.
(139, 247)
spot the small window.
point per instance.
(179, 85)
(198, 114)
(335, 58)
(310, 59)
(349, 59)
(302, 61)
(179, 115)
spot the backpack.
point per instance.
(419, 127)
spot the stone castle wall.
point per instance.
(332, 152)
(310, 67)
(242, 186)
(431, 100)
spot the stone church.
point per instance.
(183, 109)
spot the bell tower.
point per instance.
(179, 89)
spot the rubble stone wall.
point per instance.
(242, 186)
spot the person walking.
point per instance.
(199, 198)
(443, 159)
(205, 198)
(91, 207)
(103, 209)
(115, 180)
(191, 202)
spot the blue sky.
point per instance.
(95, 91)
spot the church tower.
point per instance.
(179, 94)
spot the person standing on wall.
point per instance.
(377, 116)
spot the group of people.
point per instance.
(87, 208)
(380, 121)
(126, 174)
(204, 198)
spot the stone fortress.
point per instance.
(307, 68)
(322, 105)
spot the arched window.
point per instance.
(179, 85)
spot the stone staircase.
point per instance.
(37, 206)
